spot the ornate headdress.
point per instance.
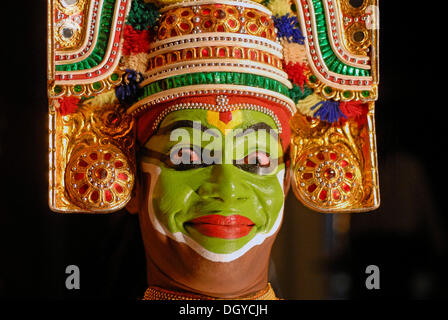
(117, 67)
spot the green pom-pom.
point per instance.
(142, 16)
(296, 94)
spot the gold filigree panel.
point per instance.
(334, 167)
(92, 160)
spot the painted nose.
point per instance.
(223, 185)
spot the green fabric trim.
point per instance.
(236, 78)
(330, 58)
(99, 51)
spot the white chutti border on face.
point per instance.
(259, 238)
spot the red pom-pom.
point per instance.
(296, 72)
(135, 41)
(68, 105)
(355, 110)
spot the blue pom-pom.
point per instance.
(127, 92)
(328, 111)
(288, 27)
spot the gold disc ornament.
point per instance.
(329, 177)
(99, 178)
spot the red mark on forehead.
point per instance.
(225, 117)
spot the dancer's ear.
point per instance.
(134, 204)
(287, 181)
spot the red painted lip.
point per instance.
(224, 227)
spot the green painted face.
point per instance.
(219, 178)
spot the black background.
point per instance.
(406, 236)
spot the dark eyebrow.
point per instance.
(184, 124)
(258, 126)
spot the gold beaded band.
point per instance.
(237, 3)
(215, 18)
(156, 293)
(250, 31)
(211, 52)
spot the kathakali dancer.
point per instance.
(199, 115)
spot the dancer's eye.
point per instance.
(258, 158)
(257, 162)
(185, 158)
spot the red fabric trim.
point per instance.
(146, 119)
